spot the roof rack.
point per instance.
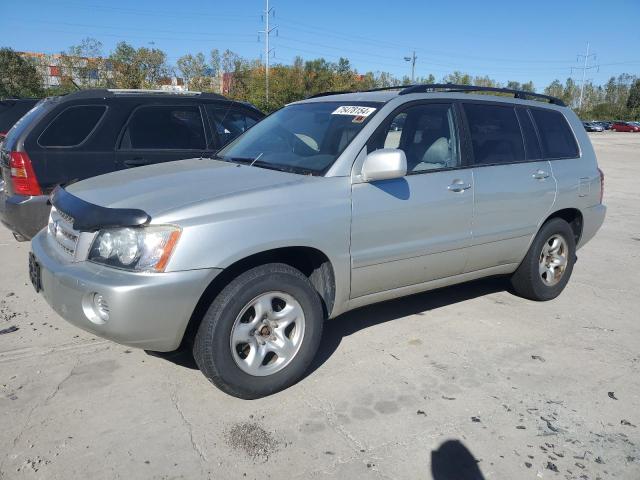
(380, 89)
(130, 91)
(452, 87)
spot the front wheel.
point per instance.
(547, 267)
(261, 332)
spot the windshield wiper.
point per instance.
(284, 168)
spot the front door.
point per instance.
(414, 229)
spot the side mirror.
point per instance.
(384, 164)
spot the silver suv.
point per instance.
(329, 204)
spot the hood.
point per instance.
(167, 186)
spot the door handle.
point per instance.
(136, 162)
(458, 186)
(540, 175)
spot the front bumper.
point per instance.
(146, 310)
(23, 215)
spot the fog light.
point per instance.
(95, 308)
(101, 307)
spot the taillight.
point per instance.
(22, 174)
(601, 184)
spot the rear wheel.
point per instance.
(548, 265)
(261, 332)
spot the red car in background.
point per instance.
(625, 127)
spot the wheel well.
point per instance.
(310, 261)
(573, 217)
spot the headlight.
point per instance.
(145, 249)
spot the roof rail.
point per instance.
(452, 87)
(130, 91)
(380, 89)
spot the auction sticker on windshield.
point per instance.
(354, 110)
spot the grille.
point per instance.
(61, 231)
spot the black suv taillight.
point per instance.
(23, 177)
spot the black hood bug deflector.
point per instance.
(88, 217)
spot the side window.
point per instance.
(555, 135)
(229, 122)
(426, 133)
(495, 134)
(165, 127)
(72, 126)
(531, 143)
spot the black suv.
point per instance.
(72, 137)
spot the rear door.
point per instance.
(163, 133)
(514, 186)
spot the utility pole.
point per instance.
(267, 32)
(587, 56)
(412, 59)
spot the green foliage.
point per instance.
(137, 68)
(18, 77)
(196, 73)
(633, 102)
(82, 66)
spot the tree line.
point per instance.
(85, 66)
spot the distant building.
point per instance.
(82, 71)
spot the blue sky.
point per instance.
(507, 40)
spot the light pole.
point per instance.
(412, 59)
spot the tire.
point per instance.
(238, 309)
(533, 279)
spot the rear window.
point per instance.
(495, 134)
(12, 110)
(72, 126)
(555, 134)
(165, 127)
(31, 117)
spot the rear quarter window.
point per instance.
(556, 136)
(72, 127)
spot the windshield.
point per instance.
(305, 138)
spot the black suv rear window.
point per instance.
(495, 134)
(72, 126)
(555, 135)
(12, 110)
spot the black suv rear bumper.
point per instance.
(24, 216)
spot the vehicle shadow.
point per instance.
(453, 461)
(356, 320)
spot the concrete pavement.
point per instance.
(408, 389)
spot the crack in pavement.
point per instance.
(333, 422)
(57, 389)
(187, 424)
